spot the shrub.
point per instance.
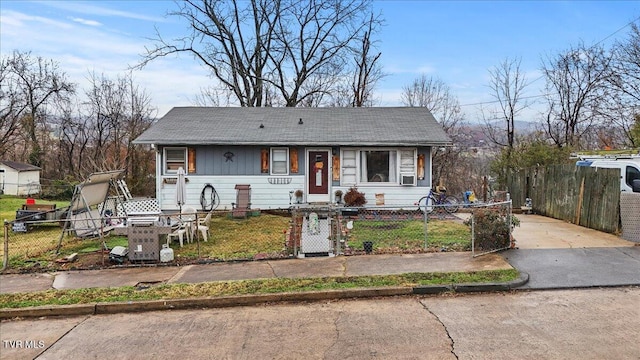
(353, 197)
(491, 229)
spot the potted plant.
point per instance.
(298, 194)
(338, 196)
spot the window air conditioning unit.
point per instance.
(407, 179)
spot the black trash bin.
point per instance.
(368, 246)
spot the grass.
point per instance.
(241, 238)
(244, 287)
(410, 234)
(38, 241)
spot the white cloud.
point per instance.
(87, 22)
(18, 19)
(91, 9)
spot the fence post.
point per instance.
(473, 234)
(5, 257)
(509, 222)
(426, 224)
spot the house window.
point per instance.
(379, 166)
(279, 161)
(376, 166)
(175, 158)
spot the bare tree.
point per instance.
(576, 84)
(36, 82)
(296, 49)
(357, 90)
(368, 71)
(436, 96)
(507, 85)
(12, 106)
(624, 98)
(117, 112)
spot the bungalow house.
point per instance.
(18, 178)
(384, 151)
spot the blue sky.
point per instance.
(457, 41)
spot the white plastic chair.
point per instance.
(203, 226)
(180, 233)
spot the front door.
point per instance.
(318, 176)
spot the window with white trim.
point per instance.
(279, 161)
(175, 158)
(372, 166)
(378, 166)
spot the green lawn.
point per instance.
(410, 234)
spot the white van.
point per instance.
(629, 166)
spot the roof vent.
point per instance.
(300, 122)
(261, 126)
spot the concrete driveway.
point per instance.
(559, 255)
(540, 232)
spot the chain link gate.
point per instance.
(491, 227)
(315, 232)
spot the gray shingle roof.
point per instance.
(19, 166)
(391, 126)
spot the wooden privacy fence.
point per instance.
(582, 195)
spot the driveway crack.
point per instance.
(337, 335)
(273, 271)
(60, 338)
(453, 343)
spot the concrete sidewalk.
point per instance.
(288, 268)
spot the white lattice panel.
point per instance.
(142, 207)
(630, 216)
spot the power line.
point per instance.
(542, 76)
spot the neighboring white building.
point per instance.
(18, 178)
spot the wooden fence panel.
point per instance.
(581, 195)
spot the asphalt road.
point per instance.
(563, 324)
(577, 267)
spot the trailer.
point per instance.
(32, 214)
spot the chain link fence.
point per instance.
(89, 240)
(376, 229)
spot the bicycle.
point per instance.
(439, 201)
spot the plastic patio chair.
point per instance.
(203, 226)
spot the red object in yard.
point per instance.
(31, 201)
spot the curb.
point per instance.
(471, 287)
(194, 303)
(248, 300)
